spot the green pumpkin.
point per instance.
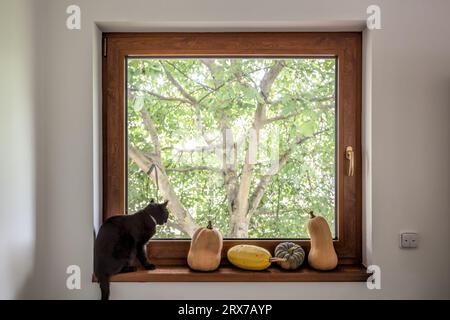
(293, 253)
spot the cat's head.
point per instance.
(158, 211)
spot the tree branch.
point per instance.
(291, 115)
(278, 118)
(214, 70)
(196, 168)
(160, 97)
(204, 86)
(183, 217)
(179, 87)
(301, 99)
(208, 148)
(193, 101)
(141, 161)
(269, 78)
(174, 226)
(266, 179)
(151, 128)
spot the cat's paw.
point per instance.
(149, 266)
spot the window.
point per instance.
(198, 120)
(249, 130)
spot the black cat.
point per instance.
(123, 238)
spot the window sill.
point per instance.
(343, 273)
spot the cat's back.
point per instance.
(111, 230)
(115, 221)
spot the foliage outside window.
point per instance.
(249, 143)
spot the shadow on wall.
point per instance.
(17, 170)
(26, 292)
(61, 238)
(34, 278)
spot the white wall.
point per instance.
(17, 200)
(409, 140)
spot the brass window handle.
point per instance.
(350, 155)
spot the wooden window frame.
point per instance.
(345, 46)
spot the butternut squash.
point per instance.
(205, 250)
(322, 255)
(250, 257)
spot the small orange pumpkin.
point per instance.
(206, 248)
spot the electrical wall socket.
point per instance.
(409, 240)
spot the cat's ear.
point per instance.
(152, 200)
(165, 203)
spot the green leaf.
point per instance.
(307, 129)
(138, 103)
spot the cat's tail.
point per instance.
(104, 287)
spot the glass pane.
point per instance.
(248, 143)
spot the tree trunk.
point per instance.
(239, 226)
(239, 218)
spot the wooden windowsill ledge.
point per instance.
(343, 273)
